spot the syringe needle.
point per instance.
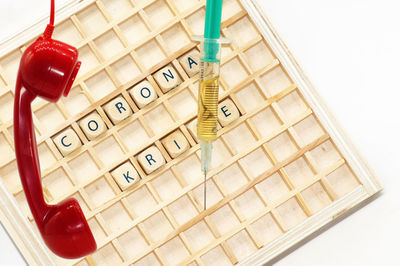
(205, 190)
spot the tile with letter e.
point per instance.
(117, 110)
(151, 159)
(167, 78)
(175, 144)
(92, 125)
(191, 62)
(125, 175)
(67, 141)
(143, 93)
(227, 112)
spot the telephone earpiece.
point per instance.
(47, 69)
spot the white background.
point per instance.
(350, 49)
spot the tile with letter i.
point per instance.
(125, 175)
(117, 110)
(176, 144)
(67, 141)
(93, 126)
(151, 159)
(227, 112)
(167, 78)
(143, 93)
(191, 62)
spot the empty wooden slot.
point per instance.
(249, 198)
(250, 97)
(100, 85)
(256, 163)
(267, 122)
(107, 255)
(67, 32)
(243, 31)
(241, 245)
(273, 188)
(216, 256)
(213, 194)
(316, 197)
(67, 141)
(192, 128)
(199, 236)
(325, 155)
(150, 259)
(92, 125)
(50, 117)
(174, 251)
(166, 185)
(10, 64)
(259, 56)
(108, 151)
(125, 69)
(151, 159)
(99, 192)
(167, 78)
(175, 144)
(175, 38)
(191, 62)
(116, 218)
(183, 5)
(233, 72)
(158, 227)
(10, 176)
(266, 229)
(134, 136)
(89, 60)
(291, 213)
(6, 107)
(91, 19)
(6, 150)
(141, 201)
(150, 54)
(299, 172)
(57, 184)
(343, 180)
(134, 29)
(232, 178)
(108, 44)
(159, 13)
(125, 175)
(117, 109)
(97, 230)
(83, 167)
(184, 104)
(292, 106)
(143, 93)
(189, 169)
(76, 102)
(159, 119)
(230, 8)
(275, 81)
(118, 8)
(46, 157)
(240, 138)
(133, 243)
(308, 130)
(220, 153)
(282, 146)
(196, 21)
(182, 210)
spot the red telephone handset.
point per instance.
(47, 69)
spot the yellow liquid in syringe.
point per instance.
(208, 105)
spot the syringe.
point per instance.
(209, 84)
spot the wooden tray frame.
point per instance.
(33, 250)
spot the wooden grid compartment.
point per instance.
(273, 167)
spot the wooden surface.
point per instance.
(293, 138)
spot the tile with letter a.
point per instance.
(167, 78)
(151, 159)
(143, 93)
(175, 144)
(125, 175)
(191, 62)
(67, 141)
(227, 112)
(92, 125)
(117, 110)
